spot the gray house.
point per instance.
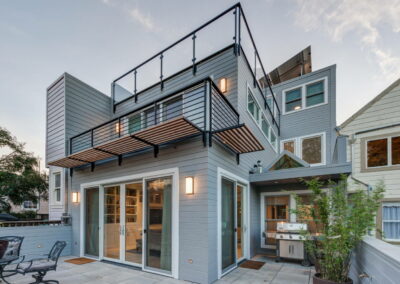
(162, 175)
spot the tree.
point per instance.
(20, 177)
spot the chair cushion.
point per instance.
(37, 265)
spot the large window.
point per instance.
(383, 152)
(391, 221)
(57, 187)
(310, 148)
(305, 96)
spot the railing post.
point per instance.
(113, 96)
(161, 71)
(119, 127)
(205, 115)
(134, 82)
(255, 68)
(70, 146)
(235, 37)
(155, 113)
(194, 54)
(91, 138)
(210, 128)
(239, 29)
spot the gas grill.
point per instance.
(290, 243)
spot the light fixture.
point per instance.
(189, 185)
(117, 127)
(223, 85)
(75, 197)
(297, 107)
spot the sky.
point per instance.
(98, 40)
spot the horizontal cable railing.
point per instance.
(189, 50)
(190, 103)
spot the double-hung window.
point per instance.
(252, 106)
(310, 148)
(315, 94)
(383, 152)
(391, 221)
(57, 187)
(293, 100)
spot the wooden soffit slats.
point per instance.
(240, 139)
(155, 135)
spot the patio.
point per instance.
(107, 273)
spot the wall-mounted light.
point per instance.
(189, 185)
(223, 85)
(117, 127)
(76, 197)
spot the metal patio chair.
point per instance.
(10, 247)
(42, 265)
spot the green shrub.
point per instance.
(25, 215)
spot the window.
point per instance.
(305, 96)
(149, 118)
(273, 139)
(252, 106)
(311, 150)
(135, 123)
(265, 127)
(391, 221)
(57, 187)
(293, 100)
(383, 152)
(377, 153)
(29, 205)
(172, 108)
(289, 146)
(315, 94)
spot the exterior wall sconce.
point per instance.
(189, 185)
(117, 127)
(223, 85)
(76, 198)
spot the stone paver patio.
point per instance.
(107, 273)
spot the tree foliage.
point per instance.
(342, 219)
(20, 178)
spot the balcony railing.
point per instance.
(193, 48)
(198, 109)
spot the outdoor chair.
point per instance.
(42, 265)
(10, 247)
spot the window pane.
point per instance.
(265, 127)
(315, 94)
(134, 123)
(269, 102)
(250, 104)
(273, 139)
(149, 118)
(173, 108)
(58, 194)
(288, 146)
(315, 100)
(396, 150)
(57, 180)
(377, 153)
(391, 224)
(293, 100)
(311, 150)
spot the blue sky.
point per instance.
(98, 40)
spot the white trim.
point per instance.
(302, 87)
(261, 115)
(174, 172)
(246, 252)
(298, 151)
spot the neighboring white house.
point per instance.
(374, 149)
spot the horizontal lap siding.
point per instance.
(191, 159)
(38, 240)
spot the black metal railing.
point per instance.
(195, 103)
(130, 85)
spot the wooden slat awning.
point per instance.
(240, 139)
(155, 135)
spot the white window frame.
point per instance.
(30, 209)
(54, 194)
(388, 204)
(304, 96)
(298, 151)
(258, 122)
(389, 151)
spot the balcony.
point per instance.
(196, 110)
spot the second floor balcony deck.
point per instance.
(196, 110)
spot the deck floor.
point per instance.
(107, 273)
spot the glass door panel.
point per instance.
(133, 222)
(228, 224)
(92, 221)
(159, 223)
(112, 222)
(240, 221)
(276, 210)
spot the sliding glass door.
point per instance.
(91, 222)
(158, 222)
(112, 222)
(233, 223)
(133, 232)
